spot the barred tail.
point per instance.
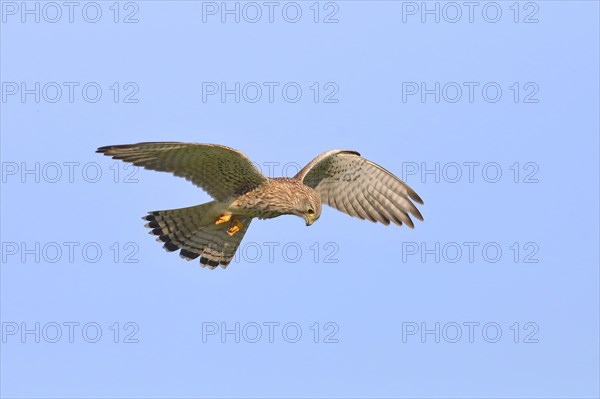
(193, 231)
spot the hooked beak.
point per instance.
(309, 220)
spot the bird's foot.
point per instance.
(236, 226)
(224, 218)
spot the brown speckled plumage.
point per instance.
(279, 196)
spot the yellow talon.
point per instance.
(226, 217)
(237, 226)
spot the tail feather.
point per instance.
(193, 231)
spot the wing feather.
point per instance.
(361, 213)
(394, 214)
(361, 202)
(361, 188)
(221, 171)
(375, 210)
(349, 208)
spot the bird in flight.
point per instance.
(213, 231)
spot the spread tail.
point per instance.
(194, 232)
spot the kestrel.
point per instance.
(213, 231)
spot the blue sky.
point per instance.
(489, 112)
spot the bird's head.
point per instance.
(308, 206)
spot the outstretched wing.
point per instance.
(221, 171)
(360, 188)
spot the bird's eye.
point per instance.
(310, 211)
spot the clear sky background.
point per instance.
(494, 295)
